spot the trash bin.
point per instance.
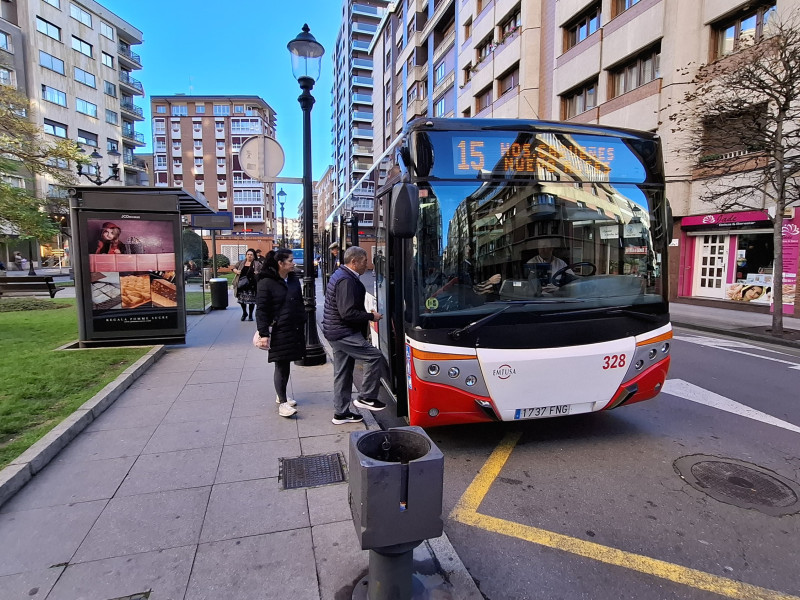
(219, 293)
(396, 482)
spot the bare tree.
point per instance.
(741, 122)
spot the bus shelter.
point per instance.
(129, 263)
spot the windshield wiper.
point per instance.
(613, 311)
(457, 333)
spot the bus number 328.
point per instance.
(613, 361)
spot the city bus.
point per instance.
(520, 266)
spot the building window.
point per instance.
(579, 100)
(197, 127)
(159, 126)
(467, 73)
(6, 76)
(439, 108)
(177, 163)
(53, 95)
(439, 72)
(48, 61)
(642, 69)
(511, 24)
(81, 46)
(55, 128)
(85, 78)
(743, 31)
(198, 162)
(161, 162)
(238, 109)
(509, 81)
(77, 13)
(106, 30)
(180, 110)
(86, 107)
(468, 29)
(112, 145)
(56, 3)
(86, 138)
(112, 117)
(621, 6)
(161, 109)
(47, 28)
(5, 41)
(222, 110)
(484, 99)
(198, 144)
(107, 59)
(199, 109)
(110, 89)
(484, 49)
(412, 94)
(582, 27)
(246, 196)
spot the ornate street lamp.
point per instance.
(306, 55)
(282, 201)
(97, 178)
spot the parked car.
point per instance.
(298, 259)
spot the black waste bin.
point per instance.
(219, 293)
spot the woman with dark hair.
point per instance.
(247, 275)
(281, 316)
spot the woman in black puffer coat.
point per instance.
(280, 316)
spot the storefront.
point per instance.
(730, 256)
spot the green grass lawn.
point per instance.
(39, 387)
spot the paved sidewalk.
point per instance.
(175, 489)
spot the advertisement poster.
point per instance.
(790, 234)
(132, 274)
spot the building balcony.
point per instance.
(361, 132)
(444, 46)
(361, 81)
(136, 112)
(254, 219)
(369, 11)
(362, 99)
(220, 152)
(130, 56)
(359, 165)
(132, 84)
(367, 28)
(248, 201)
(416, 74)
(132, 136)
(219, 133)
(417, 108)
(446, 82)
(177, 169)
(359, 150)
(362, 115)
(132, 162)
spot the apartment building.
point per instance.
(614, 62)
(352, 98)
(325, 193)
(196, 141)
(76, 62)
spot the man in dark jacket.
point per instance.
(345, 325)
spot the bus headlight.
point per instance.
(665, 348)
(639, 365)
(652, 354)
(433, 369)
(453, 372)
(471, 380)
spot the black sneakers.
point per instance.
(347, 417)
(373, 405)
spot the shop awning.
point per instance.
(730, 220)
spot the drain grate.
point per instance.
(311, 471)
(741, 484)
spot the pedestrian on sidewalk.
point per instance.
(244, 284)
(345, 324)
(280, 317)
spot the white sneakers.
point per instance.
(286, 410)
(289, 401)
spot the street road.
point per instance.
(602, 506)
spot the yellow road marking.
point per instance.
(466, 511)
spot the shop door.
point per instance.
(711, 258)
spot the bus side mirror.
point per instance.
(404, 210)
(669, 223)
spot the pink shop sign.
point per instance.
(790, 234)
(725, 220)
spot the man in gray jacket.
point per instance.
(345, 324)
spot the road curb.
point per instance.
(34, 459)
(736, 333)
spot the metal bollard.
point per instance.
(396, 483)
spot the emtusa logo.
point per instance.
(504, 371)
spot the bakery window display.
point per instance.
(135, 290)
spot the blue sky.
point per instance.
(204, 47)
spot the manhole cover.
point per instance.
(741, 484)
(311, 471)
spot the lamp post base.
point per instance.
(315, 356)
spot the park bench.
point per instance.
(28, 286)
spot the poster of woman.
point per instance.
(746, 292)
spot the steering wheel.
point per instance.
(559, 278)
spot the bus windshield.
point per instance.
(561, 237)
